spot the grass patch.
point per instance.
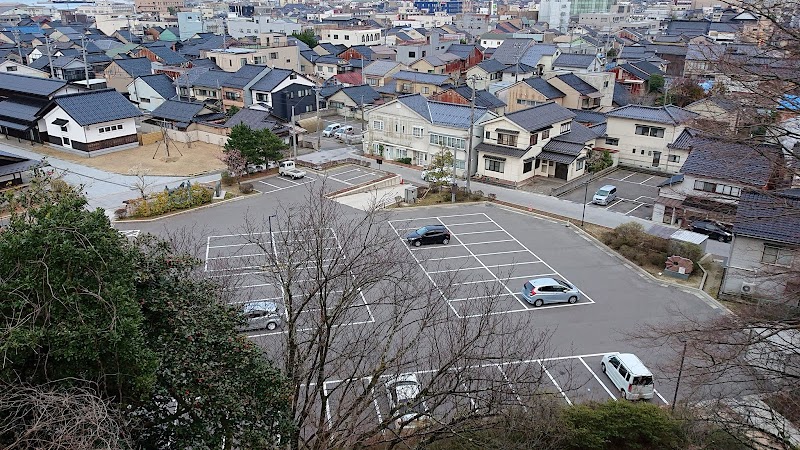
(429, 197)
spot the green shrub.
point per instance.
(246, 188)
(163, 202)
(685, 249)
(227, 179)
(403, 160)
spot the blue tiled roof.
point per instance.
(135, 67)
(362, 94)
(212, 79)
(272, 79)
(440, 113)
(574, 60)
(577, 83)
(483, 97)
(669, 114)
(243, 76)
(178, 111)
(492, 65)
(161, 84)
(549, 91)
(419, 77)
(30, 85)
(535, 52)
(770, 216)
(91, 107)
(588, 117)
(733, 162)
(541, 116)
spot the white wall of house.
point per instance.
(638, 150)
(87, 134)
(351, 37)
(491, 43)
(144, 96)
(765, 265)
(100, 131)
(721, 191)
(266, 97)
(16, 68)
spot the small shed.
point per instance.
(691, 237)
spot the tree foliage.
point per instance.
(232, 111)
(307, 36)
(440, 170)
(656, 83)
(599, 161)
(256, 146)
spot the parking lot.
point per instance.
(243, 264)
(482, 261)
(636, 193)
(342, 176)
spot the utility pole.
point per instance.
(294, 136)
(19, 48)
(468, 165)
(49, 56)
(85, 64)
(317, 90)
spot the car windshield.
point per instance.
(422, 230)
(642, 381)
(564, 283)
(602, 193)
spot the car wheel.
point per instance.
(603, 367)
(622, 394)
(573, 299)
(271, 326)
(417, 243)
(538, 302)
(722, 239)
(445, 241)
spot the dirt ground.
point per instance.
(183, 160)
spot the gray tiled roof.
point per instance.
(501, 150)
(161, 84)
(512, 50)
(483, 97)
(271, 80)
(26, 111)
(241, 77)
(622, 96)
(575, 82)
(574, 60)
(88, 108)
(556, 157)
(461, 50)
(30, 85)
(362, 94)
(541, 116)
(255, 119)
(588, 117)
(167, 55)
(729, 161)
(419, 77)
(379, 68)
(543, 87)
(211, 79)
(178, 111)
(669, 114)
(772, 216)
(135, 67)
(492, 65)
(684, 140)
(535, 53)
(578, 134)
(440, 113)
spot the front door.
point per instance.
(562, 170)
(656, 159)
(421, 158)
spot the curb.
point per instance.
(183, 211)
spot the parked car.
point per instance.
(330, 129)
(342, 131)
(403, 393)
(429, 234)
(540, 291)
(289, 169)
(629, 375)
(714, 230)
(260, 315)
(438, 175)
(605, 195)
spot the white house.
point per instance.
(414, 127)
(90, 123)
(13, 67)
(150, 91)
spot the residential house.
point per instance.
(765, 256)
(485, 73)
(409, 82)
(162, 54)
(357, 35)
(714, 173)
(636, 76)
(70, 68)
(529, 92)
(358, 52)
(278, 55)
(541, 57)
(150, 91)
(542, 140)
(577, 63)
(126, 37)
(90, 123)
(236, 88)
(433, 44)
(446, 63)
(469, 54)
(9, 66)
(350, 101)
(206, 87)
(24, 99)
(378, 72)
(326, 48)
(462, 95)
(280, 90)
(327, 66)
(719, 112)
(179, 115)
(415, 127)
(257, 119)
(170, 34)
(578, 93)
(349, 79)
(121, 72)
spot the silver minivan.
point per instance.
(629, 375)
(605, 195)
(260, 315)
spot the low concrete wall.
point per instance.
(575, 183)
(380, 183)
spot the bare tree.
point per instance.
(51, 418)
(360, 314)
(142, 181)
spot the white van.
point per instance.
(605, 195)
(629, 375)
(330, 129)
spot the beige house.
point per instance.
(539, 141)
(121, 72)
(578, 94)
(719, 111)
(446, 63)
(644, 136)
(378, 72)
(277, 56)
(529, 92)
(409, 82)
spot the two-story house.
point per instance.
(378, 72)
(280, 90)
(462, 95)
(349, 101)
(529, 92)
(486, 73)
(415, 127)
(409, 82)
(206, 87)
(150, 91)
(542, 140)
(121, 72)
(236, 88)
(578, 93)
(641, 136)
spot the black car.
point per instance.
(429, 234)
(713, 229)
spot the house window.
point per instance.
(488, 134)
(674, 158)
(66, 141)
(507, 139)
(717, 188)
(336, 36)
(64, 128)
(346, 37)
(612, 141)
(242, 61)
(527, 166)
(495, 166)
(330, 69)
(377, 125)
(144, 100)
(565, 127)
(319, 68)
(579, 164)
(262, 97)
(231, 95)
(778, 256)
(426, 90)
(412, 54)
(273, 55)
(447, 141)
(644, 130)
(534, 138)
(417, 131)
(11, 69)
(545, 134)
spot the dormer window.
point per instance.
(565, 127)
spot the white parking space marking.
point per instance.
(661, 397)
(555, 383)
(597, 378)
(499, 236)
(275, 188)
(130, 233)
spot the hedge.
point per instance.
(163, 202)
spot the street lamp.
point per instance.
(269, 219)
(585, 195)
(680, 373)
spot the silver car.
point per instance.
(259, 315)
(540, 291)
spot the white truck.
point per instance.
(288, 169)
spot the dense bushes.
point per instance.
(403, 160)
(631, 241)
(180, 198)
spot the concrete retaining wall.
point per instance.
(381, 183)
(575, 183)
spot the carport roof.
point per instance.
(501, 150)
(556, 157)
(567, 148)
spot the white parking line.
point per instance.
(511, 386)
(635, 208)
(648, 179)
(597, 378)
(555, 383)
(235, 256)
(489, 242)
(625, 178)
(270, 185)
(659, 396)
(456, 270)
(130, 233)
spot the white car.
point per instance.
(342, 131)
(330, 129)
(404, 398)
(440, 175)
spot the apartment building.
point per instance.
(351, 36)
(160, 7)
(282, 56)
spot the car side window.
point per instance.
(614, 361)
(623, 371)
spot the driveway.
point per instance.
(636, 193)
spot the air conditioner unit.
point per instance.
(748, 288)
